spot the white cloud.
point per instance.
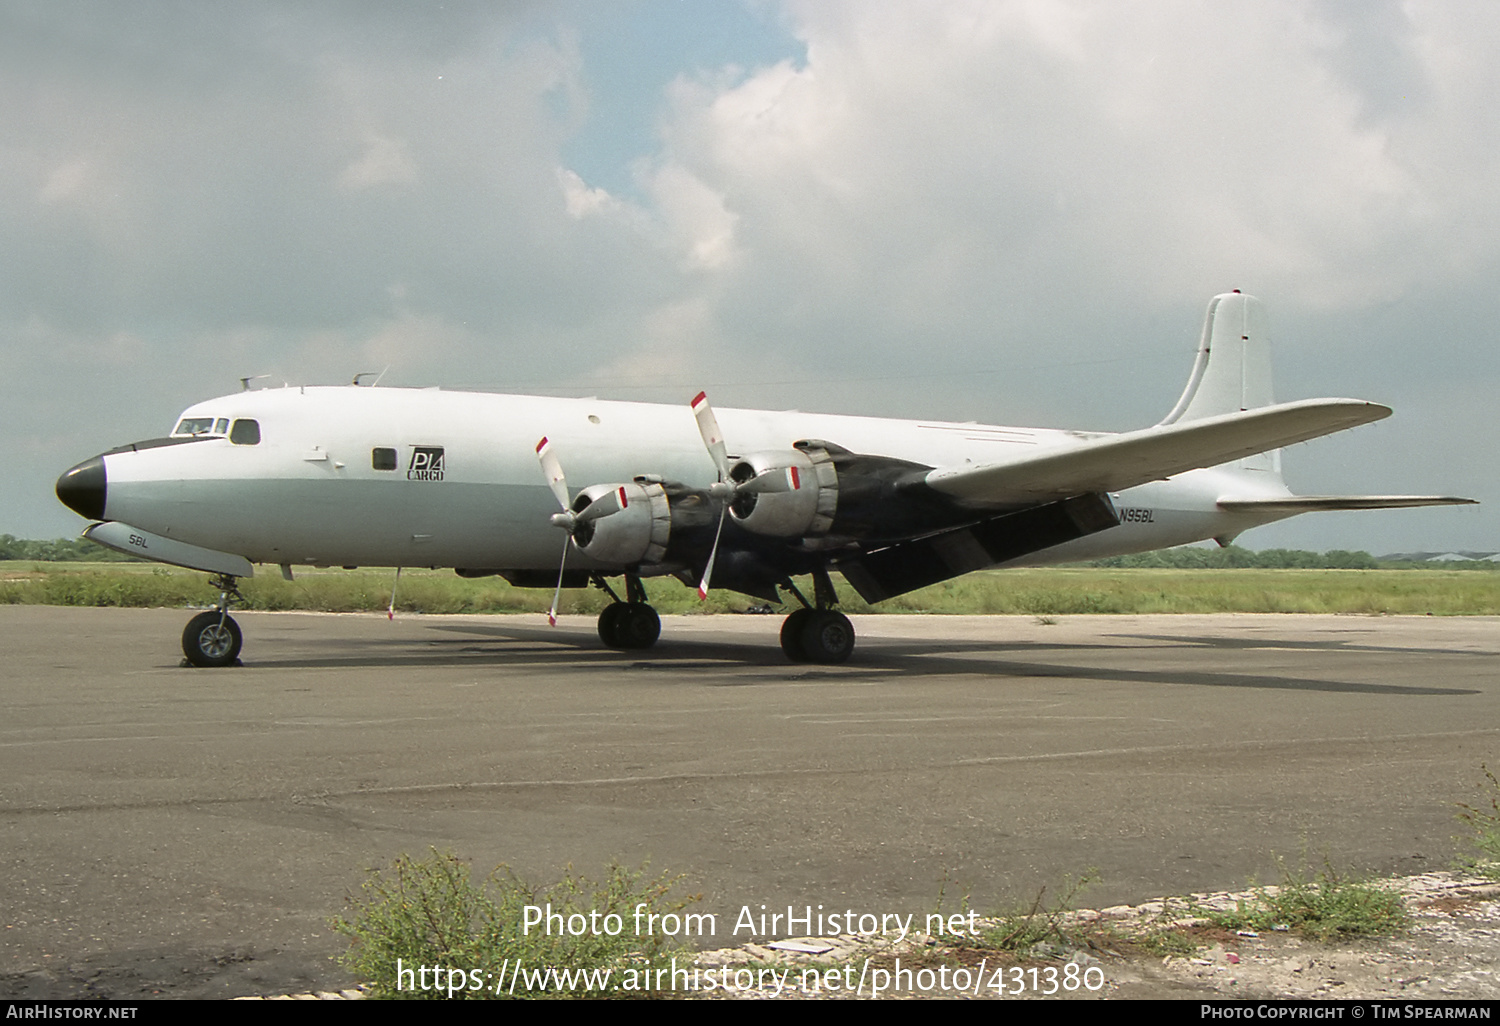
(699, 226)
(385, 161)
(1152, 148)
(580, 200)
(1001, 210)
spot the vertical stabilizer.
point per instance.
(1232, 371)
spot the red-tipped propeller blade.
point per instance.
(713, 438)
(708, 568)
(561, 566)
(553, 469)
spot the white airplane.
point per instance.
(368, 476)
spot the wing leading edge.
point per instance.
(1291, 505)
(1116, 462)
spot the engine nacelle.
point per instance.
(805, 511)
(636, 533)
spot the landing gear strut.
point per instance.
(817, 634)
(212, 638)
(629, 624)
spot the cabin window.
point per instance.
(245, 432)
(383, 459)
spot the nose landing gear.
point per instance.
(212, 638)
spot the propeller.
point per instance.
(570, 521)
(726, 489)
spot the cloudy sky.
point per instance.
(1013, 212)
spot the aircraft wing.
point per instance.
(1115, 462)
(1293, 504)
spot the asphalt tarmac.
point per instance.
(181, 832)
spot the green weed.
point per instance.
(1160, 942)
(1039, 929)
(429, 912)
(1484, 841)
(1327, 906)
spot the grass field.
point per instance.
(1054, 591)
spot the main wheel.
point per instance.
(609, 624)
(207, 641)
(791, 634)
(638, 626)
(827, 637)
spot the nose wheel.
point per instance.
(212, 638)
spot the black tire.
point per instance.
(609, 624)
(638, 626)
(791, 634)
(827, 637)
(206, 643)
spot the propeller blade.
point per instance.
(708, 568)
(553, 469)
(556, 595)
(603, 506)
(777, 479)
(713, 438)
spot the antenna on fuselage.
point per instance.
(366, 374)
(245, 382)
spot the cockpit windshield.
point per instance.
(197, 426)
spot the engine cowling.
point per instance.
(636, 533)
(804, 511)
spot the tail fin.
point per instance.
(1232, 371)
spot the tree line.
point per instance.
(60, 550)
(1234, 557)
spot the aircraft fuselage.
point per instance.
(427, 477)
(745, 499)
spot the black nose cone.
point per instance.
(81, 488)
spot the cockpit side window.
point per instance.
(245, 432)
(201, 426)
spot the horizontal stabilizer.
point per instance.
(1292, 504)
(1111, 463)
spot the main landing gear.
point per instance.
(629, 624)
(817, 634)
(212, 638)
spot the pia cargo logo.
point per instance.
(426, 463)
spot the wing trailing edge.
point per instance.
(906, 566)
(1116, 462)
